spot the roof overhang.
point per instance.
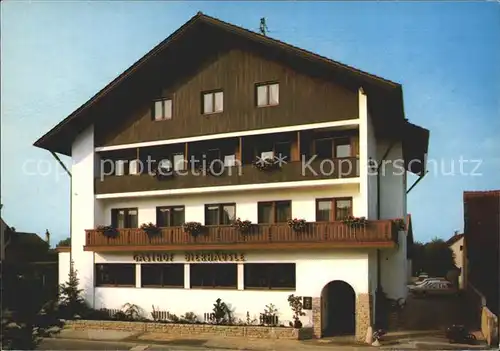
(385, 97)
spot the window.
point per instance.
(220, 214)
(172, 216)
(324, 148)
(162, 275)
(269, 275)
(178, 162)
(115, 274)
(342, 148)
(213, 275)
(162, 110)
(329, 210)
(124, 218)
(213, 102)
(120, 167)
(274, 212)
(268, 94)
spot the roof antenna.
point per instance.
(263, 26)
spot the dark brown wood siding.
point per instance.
(303, 100)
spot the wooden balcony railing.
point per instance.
(246, 174)
(381, 233)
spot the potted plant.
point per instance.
(150, 229)
(265, 164)
(296, 305)
(400, 224)
(193, 228)
(108, 231)
(243, 226)
(354, 222)
(298, 225)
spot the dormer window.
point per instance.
(162, 109)
(213, 102)
(268, 94)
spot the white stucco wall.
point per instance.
(83, 207)
(392, 181)
(303, 203)
(314, 269)
(363, 153)
(393, 267)
(64, 267)
(371, 175)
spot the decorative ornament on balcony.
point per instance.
(298, 225)
(266, 164)
(108, 231)
(400, 224)
(355, 222)
(162, 172)
(193, 228)
(150, 229)
(243, 226)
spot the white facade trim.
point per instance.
(199, 190)
(343, 123)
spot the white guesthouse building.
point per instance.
(336, 143)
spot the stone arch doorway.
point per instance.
(338, 309)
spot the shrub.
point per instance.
(70, 296)
(296, 305)
(221, 312)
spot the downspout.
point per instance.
(70, 200)
(378, 291)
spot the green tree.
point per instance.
(70, 296)
(65, 242)
(434, 258)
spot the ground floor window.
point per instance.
(115, 274)
(269, 275)
(162, 275)
(214, 275)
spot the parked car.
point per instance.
(420, 282)
(436, 287)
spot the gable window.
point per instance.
(162, 109)
(268, 94)
(274, 212)
(333, 209)
(124, 218)
(171, 216)
(220, 214)
(213, 102)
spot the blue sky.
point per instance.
(56, 55)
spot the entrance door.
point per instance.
(338, 309)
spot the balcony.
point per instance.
(246, 174)
(317, 235)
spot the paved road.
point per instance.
(74, 344)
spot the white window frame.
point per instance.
(267, 89)
(212, 96)
(165, 114)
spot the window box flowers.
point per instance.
(265, 164)
(108, 231)
(298, 225)
(150, 229)
(400, 224)
(243, 226)
(354, 222)
(193, 228)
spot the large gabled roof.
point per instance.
(59, 138)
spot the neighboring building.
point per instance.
(482, 232)
(4, 237)
(213, 91)
(457, 245)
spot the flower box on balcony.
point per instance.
(193, 228)
(244, 227)
(150, 229)
(108, 231)
(355, 222)
(298, 225)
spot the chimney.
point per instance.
(47, 236)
